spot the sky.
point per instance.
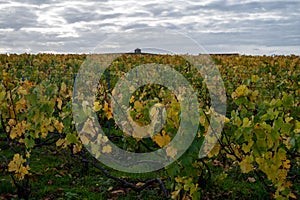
(264, 27)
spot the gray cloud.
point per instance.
(17, 17)
(250, 27)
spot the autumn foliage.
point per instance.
(261, 131)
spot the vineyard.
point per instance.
(42, 155)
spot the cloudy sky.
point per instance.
(245, 26)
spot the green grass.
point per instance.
(57, 175)
(237, 185)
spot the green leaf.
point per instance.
(173, 170)
(29, 143)
(71, 138)
(247, 147)
(287, 100)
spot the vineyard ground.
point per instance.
(57, 175)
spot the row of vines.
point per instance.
(261, 132)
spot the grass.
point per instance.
(57, 175)
(230, 183)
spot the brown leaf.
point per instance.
(216, 163)
(139, 184)
(51, 182)
(251, 179)
(110, 188)
(118, 192)
(60, 189)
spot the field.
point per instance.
(256, 156)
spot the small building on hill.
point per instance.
(137, 51)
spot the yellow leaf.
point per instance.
(131, 99)
(227, 120)
(162, 140)
(22, 171)
(63, 88)
(59, 126)
(18, 130)
(281, 174)
(108, 111)
(286, 164)
(138, 106)
(246, 122)
(50, 128)
(59, 103)
(16, 165)
(12, 122)
(105, 108)
(297, 126)
(234, 95)
(288, 119)
(246, 165)
(254, 78)
(179, 179)
(11, 112)
(22, 91)
(97, 106)
(44, 132)
(242, 90)
(13, 134)
(59, 142)
(109, 115)
(21, 105)
(106, 149)
(27, 84)
(27, 154)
